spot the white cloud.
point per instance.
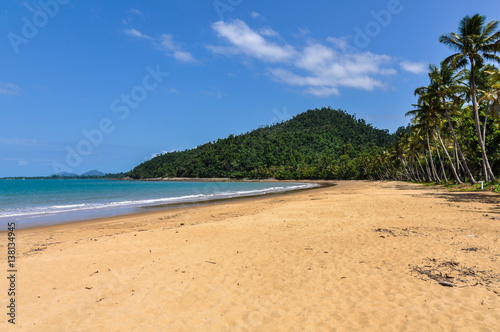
(166, 43)
(319, 69)
(322, 91)
(414, 67)
(157, 154)
(256, 15)
(171, 48)
(315, 85)
(267, 31)
(136, 33)
(245, 40)
(9, 89)
(212, 93)
(129, 18)
(135, 11)
(343, 44)
(302, 33)
(184, 56)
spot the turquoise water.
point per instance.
(32, 203)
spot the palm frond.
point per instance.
(492, 57)
(457, 60)
(489, 30)
(452, 40)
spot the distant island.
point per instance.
(93, 174)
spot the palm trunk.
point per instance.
(433, 167)
(440, 160)
(453, 169)
(427, 167)
(421, 178)
(488, 173)
(455, 158)
(486, 113)
(413, 169)
(459, 149)
(460, 168)
(484, 125)
(409, 171)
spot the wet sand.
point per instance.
(372, 256)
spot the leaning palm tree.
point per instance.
(476, 42)
(490, 93)
(445, 84)
(405, 151)
(424, 118)
(495, 84)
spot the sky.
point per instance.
(108, 84)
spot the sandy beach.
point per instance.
(364, 256)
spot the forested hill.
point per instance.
(311, 145)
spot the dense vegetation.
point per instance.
(455, 130)
(318, 144)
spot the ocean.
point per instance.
(31, 203)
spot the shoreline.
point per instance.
(208, 180)
(154, 211)
(108, 212)
(352, 257)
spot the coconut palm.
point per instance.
(476, 42)
(445, 84)
(405, 151)
(490, 93)
(424, 118)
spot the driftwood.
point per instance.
(452, 274)
(436, 275)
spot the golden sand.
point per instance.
(369, 256)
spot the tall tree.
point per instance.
(475, 42)
(490, 95)
(445, 84)
(424, 118)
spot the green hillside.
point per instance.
(311, 145)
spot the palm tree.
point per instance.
(445, 150)
(405, 151)
(490, 93)
(475, 43)
(424, 118)
(445, 84)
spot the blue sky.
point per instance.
(107, 84)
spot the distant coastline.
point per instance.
(110, 176)
(157, 179)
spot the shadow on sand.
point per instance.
(479, 198)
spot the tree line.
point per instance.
(454, 134)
